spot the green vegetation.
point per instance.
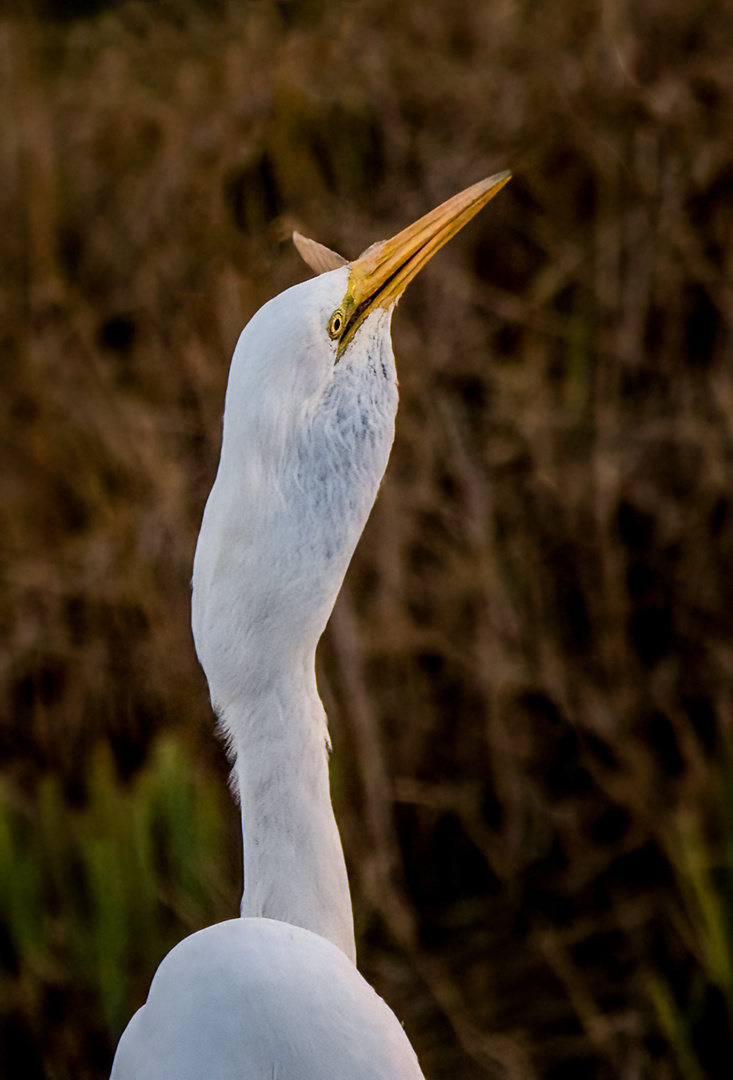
(92, 895)
(528, 676)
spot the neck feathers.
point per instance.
(293, 860)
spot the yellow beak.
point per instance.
(382, 273)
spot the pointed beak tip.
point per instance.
(498, 180)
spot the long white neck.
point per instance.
(306, 442)
(293, 861)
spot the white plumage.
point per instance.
(308, 427)
(262, 1000)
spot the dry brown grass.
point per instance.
(530, 672)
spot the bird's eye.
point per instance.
(336, 324)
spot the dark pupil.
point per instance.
(337, 324)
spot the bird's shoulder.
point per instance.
(251, 994)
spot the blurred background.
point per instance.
(529, 674)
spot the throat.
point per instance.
(294, 868)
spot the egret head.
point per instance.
(288, 354)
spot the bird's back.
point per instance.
(257, 999)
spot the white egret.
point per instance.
(308, 427)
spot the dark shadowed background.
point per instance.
(529, 674)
